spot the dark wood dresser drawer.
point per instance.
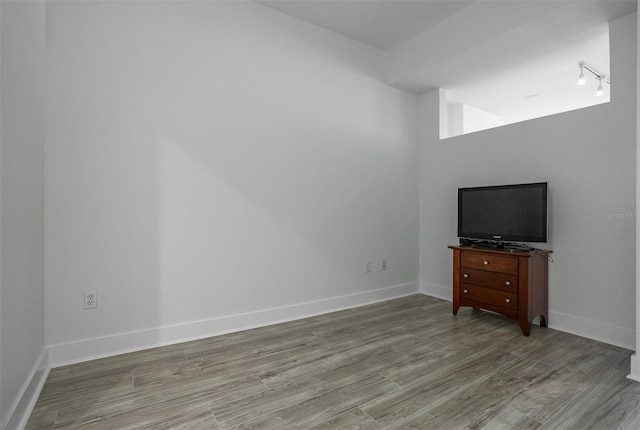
(489, 296)
(483, 278)
(490, 262)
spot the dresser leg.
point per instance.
(455, 308)
(526, 328)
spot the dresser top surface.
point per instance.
(514, 252)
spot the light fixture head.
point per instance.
(599, 91)
(581, 79)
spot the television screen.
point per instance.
(504, 213)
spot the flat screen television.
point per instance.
(505, 213)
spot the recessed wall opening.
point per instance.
(516, 91)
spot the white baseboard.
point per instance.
(596, 330)
(591, 329)
(93, 348)
(23, 406)
(635, 368)
(437, 291)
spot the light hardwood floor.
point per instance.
(402, 364)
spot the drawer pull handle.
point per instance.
(465, 291)
(466, 275)
(507, 300)
(508, 283)
(486, 263)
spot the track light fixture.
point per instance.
(599, 76)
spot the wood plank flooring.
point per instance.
(402, 364)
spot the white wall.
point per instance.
(21, 204)
(213, 165)
(460, 118)
(475, 119)
(588, 157)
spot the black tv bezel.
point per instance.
(544, 186)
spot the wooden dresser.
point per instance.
(511, 283)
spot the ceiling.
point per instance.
(515, 59)
(381, 24)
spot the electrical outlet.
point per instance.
(383, 265)
(90, 299)
(367, 267)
